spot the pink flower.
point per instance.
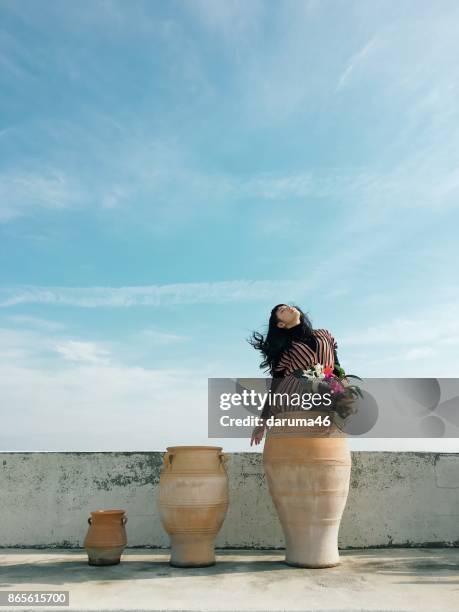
(336, 386)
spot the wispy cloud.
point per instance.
(159, 337)
(22, 193)
(418, 328)
(85, 352)
(19, 61)
(418, 342)
(106, 407)
(355, 61)
(420, 181)
(152, 295)
(232, 19)
(422, 352)
(36, 322)
(107, 404)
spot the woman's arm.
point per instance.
(259, 430)
(277, 374)
(266, 412)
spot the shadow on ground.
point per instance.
(423, 564)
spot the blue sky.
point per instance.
(171, 170)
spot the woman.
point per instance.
(308, 476)
(290, 344)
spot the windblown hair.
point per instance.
(278, 339)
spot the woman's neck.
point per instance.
(293, 326)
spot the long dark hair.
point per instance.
(279, 339)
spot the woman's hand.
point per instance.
(257, 434)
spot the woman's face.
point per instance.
(287, 316)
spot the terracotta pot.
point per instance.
(193, 500)
(106, 537)
(308, 478)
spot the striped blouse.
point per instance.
(301, 355)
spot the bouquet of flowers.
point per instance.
(322, 379)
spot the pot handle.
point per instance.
(124, 520)
(167, 459)
(89, 521)
(223, 460)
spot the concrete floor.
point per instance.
(368, 579)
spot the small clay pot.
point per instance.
(106, 537)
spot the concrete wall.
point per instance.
(395, 498)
